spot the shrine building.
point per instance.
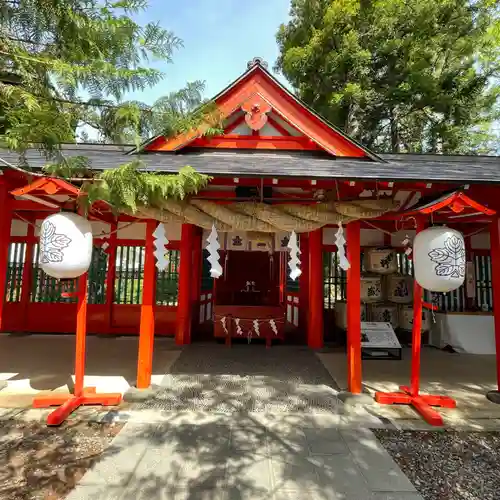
(278, 172)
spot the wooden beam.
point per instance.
(183, 327)
(5, 223)
(316, 301)
(147, 326)
(354, 308)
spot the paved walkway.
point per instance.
(270, 427)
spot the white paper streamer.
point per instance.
(294, 262)
(239, 331)
(272, 324)
(256, 327)
(224, 326)
(213, 250)
(340, 242)
(160, 242)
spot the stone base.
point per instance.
(494, 397)
(133, 394)
(350, 399)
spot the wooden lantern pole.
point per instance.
(68, 403)
(410, 395)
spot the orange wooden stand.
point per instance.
(410, 395)
(68, 403)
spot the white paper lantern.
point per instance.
(341, 314)
(380, 260)
(371, 289)
(399, 289)
(439, 259)
(385, 313)
(406, 319)
(65, 245)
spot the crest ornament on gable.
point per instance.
(256, 110)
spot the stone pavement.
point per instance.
(254, 456)
(245, 423)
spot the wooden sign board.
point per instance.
(378, 340)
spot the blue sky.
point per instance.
(219, 39)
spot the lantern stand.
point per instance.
(81, 395)
(410, 395)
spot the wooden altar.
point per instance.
(248, 293)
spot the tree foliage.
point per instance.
(398, 75)
(65, 64)
(53, 52)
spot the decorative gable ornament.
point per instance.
(65, 245)
(256, 110)
(439, 259)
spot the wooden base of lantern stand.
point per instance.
(423, 403)
(82, 396)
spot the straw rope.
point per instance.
(260, 218)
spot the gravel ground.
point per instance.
(447, 465)
(44, 463)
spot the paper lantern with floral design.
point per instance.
(439, 259)
(65, 245)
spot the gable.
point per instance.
(259, 113)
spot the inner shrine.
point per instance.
(300, 235)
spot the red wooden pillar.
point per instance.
(111, 275)
(316, 302)
(5, 223)
(354, 308)
(183, 329)
(147, 327)
(494, 396)
(304, 282)
(196, 276)
(27, 278)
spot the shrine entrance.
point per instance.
(248, 299)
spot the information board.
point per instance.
(378, 335)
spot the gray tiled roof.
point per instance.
(289, 164)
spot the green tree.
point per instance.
(69, 63)
(399, 75)
(53, 52)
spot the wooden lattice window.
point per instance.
(484, 287)
(207, 282)
(129, 277)
(167, 281)
(13, 285)
(334, 280)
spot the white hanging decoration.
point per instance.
(340, 242)
(272, 324)
(439, 259)
(256, 327)
(65, 245)
(160, 242)
(224, 326)
(213, 249)
(105, 243)
(293, 245)
(239, 331)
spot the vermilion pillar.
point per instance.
(494, 396)
(183, 330)
(111, 274)
(354, 308)
(5, 223)
(27, 277)
(147, 328)
(315, 319)
(304, 281)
